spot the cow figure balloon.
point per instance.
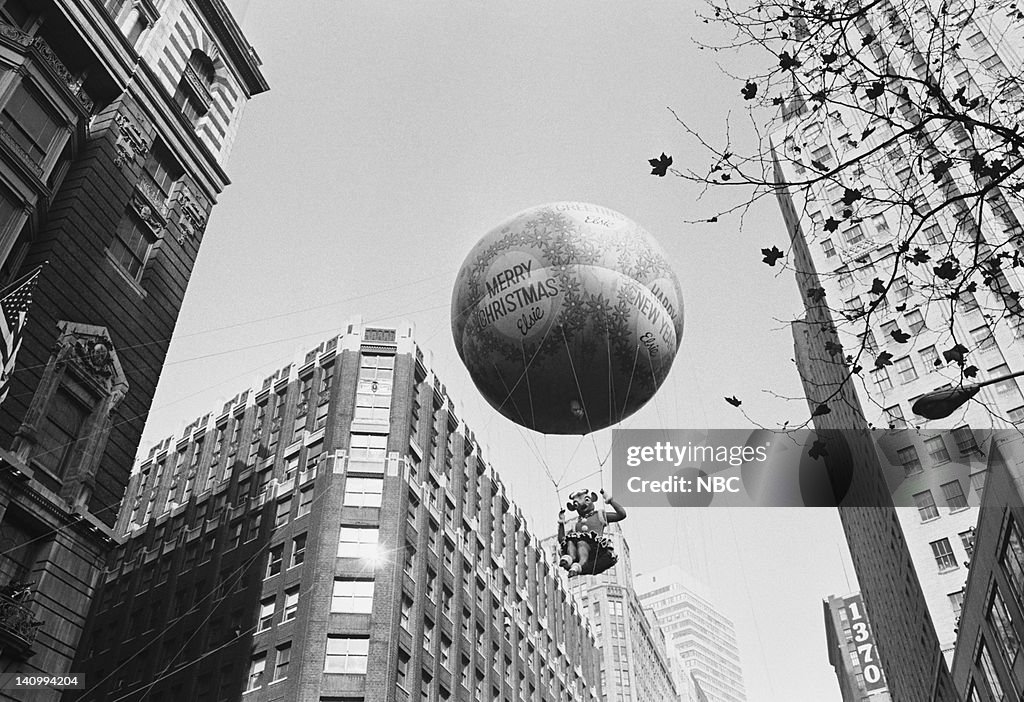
(586, 550)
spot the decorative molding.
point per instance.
(147, 212)
(14, 146)
(191, 219)
(75, 85)
(130, 141)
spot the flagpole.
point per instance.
(22, 280)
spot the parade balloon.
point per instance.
(568, 317)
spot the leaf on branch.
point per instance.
(777, 100)
(749, 90)
(817, 449)
(851, 195)
(940, 168)
(659, 166)
(875, 90)
(866, 133)
(734, 401)
(820, 96)
(831, 224)
(877, 287)
(920, 256)
(899, 336)
(819, 166)
(856, 370)
(711, 220)
(816, 294)
(787, 62)
(970, 371)
(901, 308)
(955, 354)
(883, 359)
(820, 410)
(771, 255)
(725, 176)
(867, 39)
(949, 269)
(830, 57)
(833, 348)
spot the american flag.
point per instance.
(14, 305)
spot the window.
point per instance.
(1016, 415)
(368, 447)
(363, 492)
(132, 243)
(29, 124)
(1002, 624)
(965, 441)
(908, 458)
(284, 657)
(352, 596)
(854, 235)
(943, 553)
(291, 604)
(905, 367)
(1012, 558)
(934, 235)
(881, 226)
(346, 654)
(298, 550)
(896, 419)
(829, 248)
(256, 668)
(276, 558)
(936, 449)
(954, 493)
(978, 483)
(930, 358)
(193, 93)
(926, 505)
(983, 338)
(266, 619)
(967, 539)
(305, 501)
(60, 430)
(915, 320)
(284, 508)
(161, 172)
(956, 602)
(1006, 390)
(357, 542)
(991, 680)
(882, 380)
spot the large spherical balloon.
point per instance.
(567, 316)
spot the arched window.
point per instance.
(193, 93)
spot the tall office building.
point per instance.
(634, 663)
(333, 533)
(116, 122)
(701, 640)
(851, 650)
(849, 257)
(894, 599)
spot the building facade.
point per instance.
(634, 664)
(988, 665)
(335, 533)
(701, 640)
(907, 641)
(853, 243)
(116, 121)
(851, 650)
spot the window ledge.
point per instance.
(132, 282)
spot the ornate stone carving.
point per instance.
(146, 212)
(191, 218)
(73, 83)
(14, 146)
(89, 351)
(130, 141)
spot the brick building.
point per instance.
(988, 664)
(334, 533)
(116, 120)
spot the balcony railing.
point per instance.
(18, 625)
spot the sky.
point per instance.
(395, 135)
